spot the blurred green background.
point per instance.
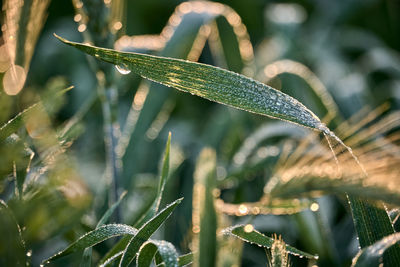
(352, 46)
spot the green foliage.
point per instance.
(79, 177)
(248, 234)
(373, 254)
(145, 232)
(210, 82)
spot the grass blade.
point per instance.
(212, 83)
(87, 254)
(185, 259)
(248, 234)
(185, 41)
(371, 256)
(204, 214)
(145, 232)
(163, 180)
(94, 237)
(372, 223)
(166, 251)
(110, 211)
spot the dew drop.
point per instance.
(123, 69)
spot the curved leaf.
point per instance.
(248, 234)
(145, 232)
(166, 250)
(372, 256)
(212, 83)
(87, 254)
(94, 237)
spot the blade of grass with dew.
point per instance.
(163, 180)
(395, 218)
(121, 244)
(14, 252)
(249, 234)
(87, 254)
(325, 105)
(373, 223)
(166, 251)
(212, 83)
(178, 45)
(371, 256)
(186, 42)
(94, 237)
(145, 232)
(204, 218)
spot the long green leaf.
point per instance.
(94, 237)
(212, 83)
(87, 254)
(372, 223)
(145, 232)
(248, 234)
(163, 180)
(166, 250)
(204, 214)
(371, 256)
(182, 44)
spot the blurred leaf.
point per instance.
(145, 232)
(18, 121)
(371, 256)
(316, 186)
(166, 251)
(212, 83)
(249, 234)
(163, 180)
(94, 237)
(204, 214)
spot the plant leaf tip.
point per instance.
(61, 38)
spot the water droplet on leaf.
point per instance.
(123, 69)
